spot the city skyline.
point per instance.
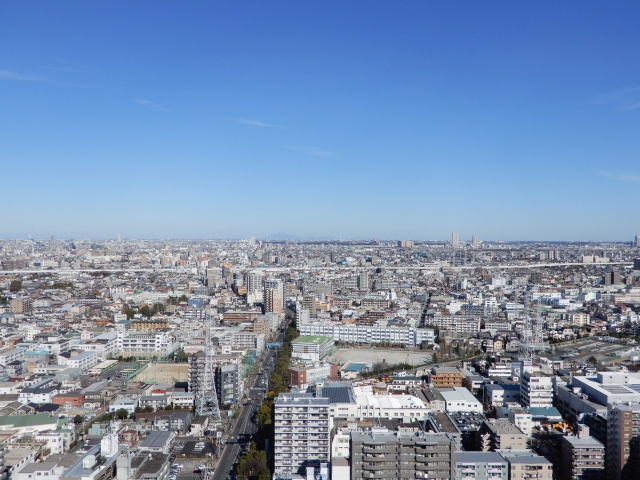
(357, 121)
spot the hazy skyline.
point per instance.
(358, 120)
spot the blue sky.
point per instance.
(355, 119)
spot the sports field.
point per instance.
(164, 373)
(392, 357)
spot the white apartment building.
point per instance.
(521, 419)
(536, 390)
(461, 400)
(502, 369)
(105, 345)
(153, 343)
(9, 356)
(54, 441)
(302, 427)
(579, 319)
(406, 407)
(369, 334)
(248, 341)
(456, 323)
(83, 361)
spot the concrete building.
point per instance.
(622, 449)
(368, 334)
(500, 434)
(309, 302)
(227, 383)
(521, 419)
(83, 361)
(302, 428)
(312, 347)
(15, 354)
(446, 377)
(461, 400)
(582, 457)
(273, 296)
(480, 466)
(379, 453)
(536, 390)
(308, 375)
(499, 394)
(527, 464)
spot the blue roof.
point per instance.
(354, 367)
(544, 412)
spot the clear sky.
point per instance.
(150, 119)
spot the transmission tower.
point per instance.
(532, 337)
(206, 396)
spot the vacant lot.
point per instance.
(392, 357)
(164, 373)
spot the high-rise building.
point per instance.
(636, 263)
(379, 453)
(405, 243)
(536, 390)
(623, 441)
(227, 373)
(273, 296)
(636, 242)
(582, 456)
(301, 433)
(227, 384)
(363, 281)
(454, 240)
(253, 282)
(474, 241)
(616, 279)
(119, 238)
(309, 302)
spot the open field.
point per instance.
(164, 373)
(343, 355)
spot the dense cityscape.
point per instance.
(336, 240)
(343, 359)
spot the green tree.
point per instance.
(263, 415)
(146, 311)
(434, 357)
(593, 360)
(252, 464)
(181, 357)
(128, 311)
(158, 308)
(148, 409)
(15, 285)
(265, 474)
(77, 419)
(122, 414)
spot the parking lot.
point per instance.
(191, 468)
(579, 352)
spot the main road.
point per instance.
(243, 426)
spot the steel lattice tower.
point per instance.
(532, 337)
(206, 396)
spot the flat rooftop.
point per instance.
(315, 339)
